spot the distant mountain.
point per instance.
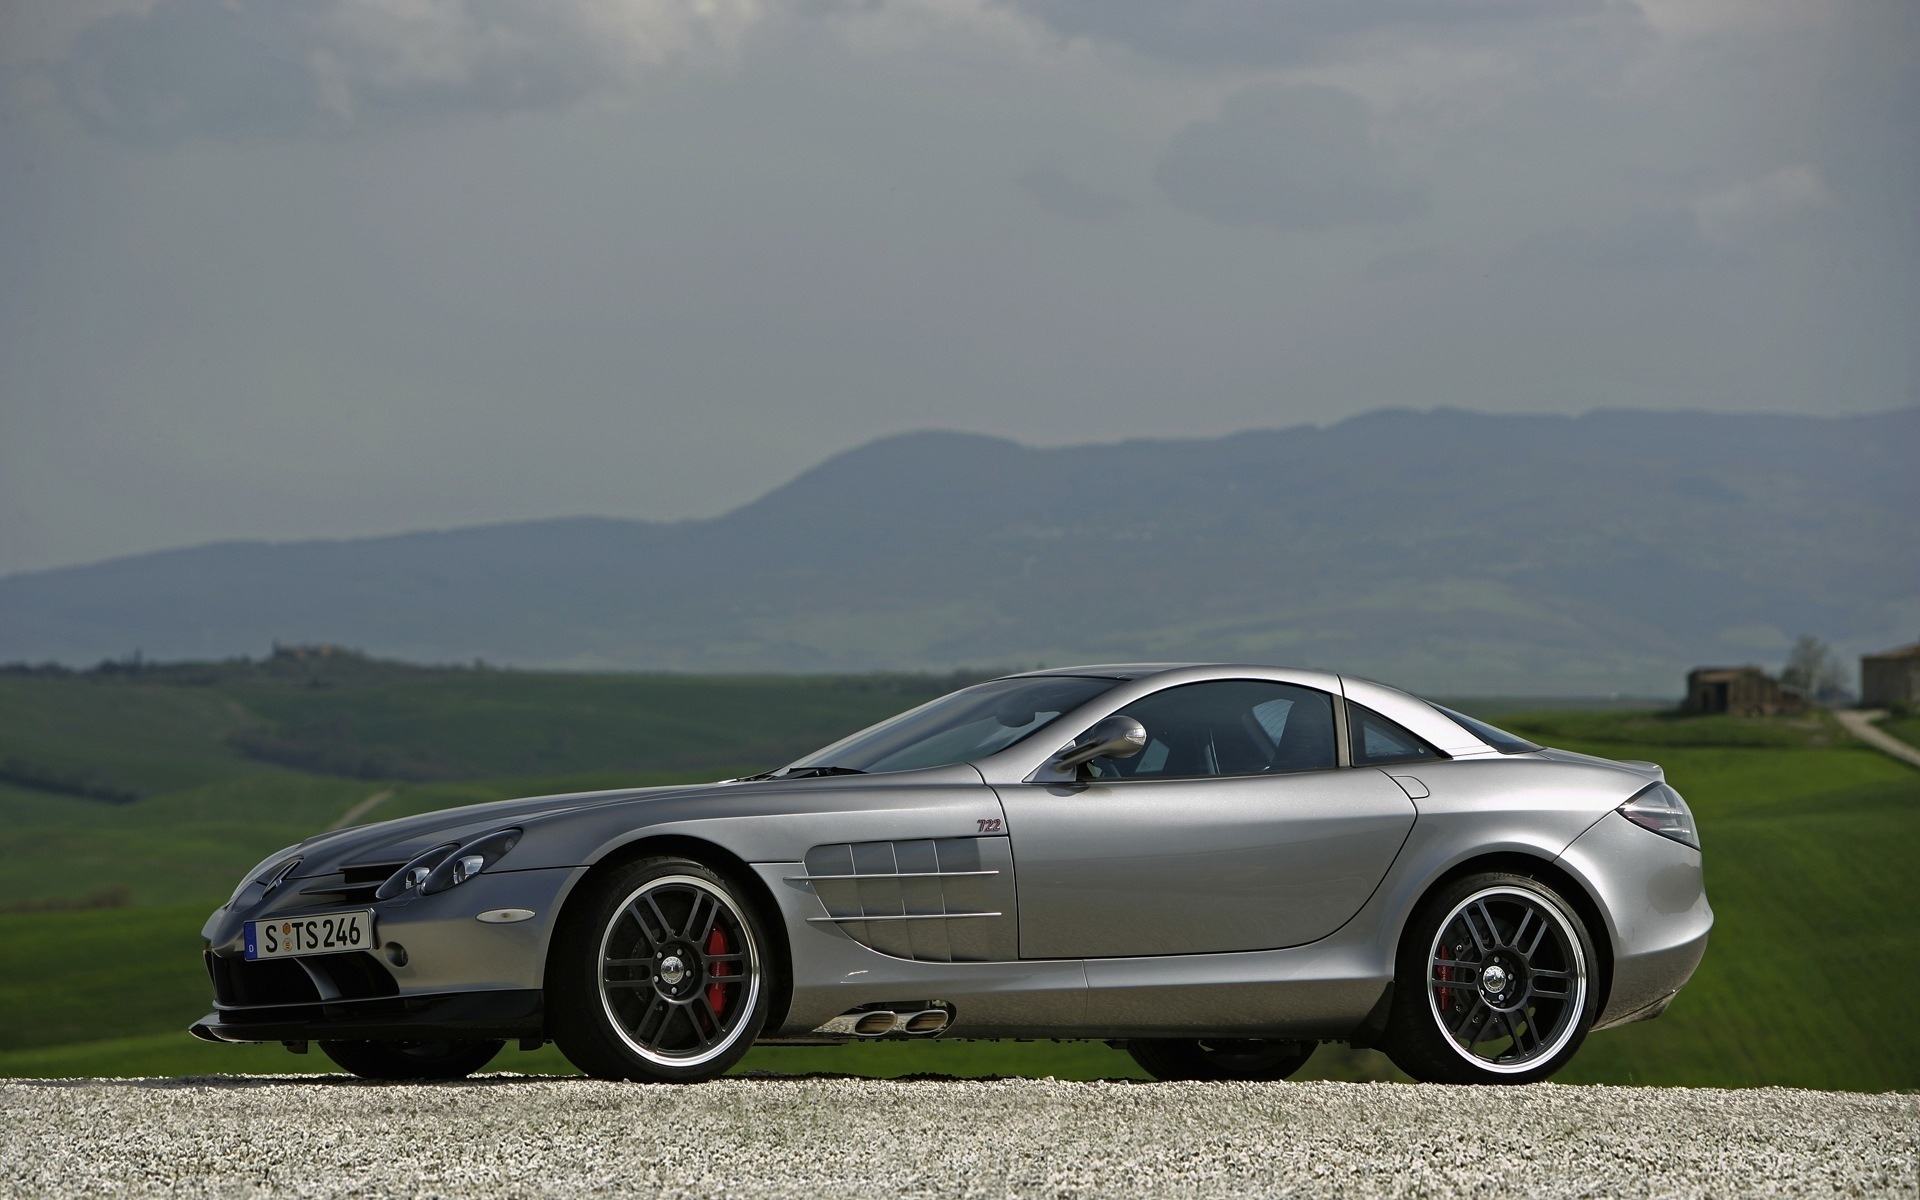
(1444, 550)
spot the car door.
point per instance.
(1234, 829)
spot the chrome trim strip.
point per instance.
(885, 875)
(909, 917)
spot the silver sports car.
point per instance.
(1218, 866)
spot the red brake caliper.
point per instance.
(716, 991)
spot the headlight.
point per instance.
(415, 872)
(1661, 809)
(268, 873)
(450, 865)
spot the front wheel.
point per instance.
(1219, 1058)
(1495, 983)
(411, 1060)
(662, 972)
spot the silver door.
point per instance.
(1244, 856)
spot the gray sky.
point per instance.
(289, 268)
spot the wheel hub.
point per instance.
(679, 971)
(1503, 981)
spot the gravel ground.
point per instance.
(832, 1137)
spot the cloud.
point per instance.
(1292, 158)
(1771, 205)
(1657, 240)
(1404, 264)
(1065, 196)
(284, 67)
(1270, 32)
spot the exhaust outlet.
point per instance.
(876, 1024)
(930, 1020)
(911, 1018)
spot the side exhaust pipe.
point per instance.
(919, 1021)
(876, 1024)
(927, 1020)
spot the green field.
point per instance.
(1906, 728)
(1809, 841)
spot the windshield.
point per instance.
(968, 724)
(1492, 735)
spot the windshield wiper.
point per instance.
(799, 773)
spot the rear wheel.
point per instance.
(411, 1060)
(1494, 984)
(661, 973)
(1219, 1058)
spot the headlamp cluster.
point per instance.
(448, 865)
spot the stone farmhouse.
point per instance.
(1742, 691)
(1890, 677)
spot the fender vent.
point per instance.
(934, 899)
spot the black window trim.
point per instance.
(1353, 734)
(1521, 746)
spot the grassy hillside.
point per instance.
(1809, 841)
(1608, 731)
(1809, 977)
(169, 781)
(101, 731)
(461, 725)
(1905, 727)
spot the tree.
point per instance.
(1813, 668)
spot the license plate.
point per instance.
(327, 933)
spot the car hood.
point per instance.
(404, 837)
(549, 820)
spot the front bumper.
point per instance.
(476, 1016)
(435, 970)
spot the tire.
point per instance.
(662, 972)
(1219, 1058)
(1496, 982)
(411, 1060)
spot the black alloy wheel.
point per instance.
(1495, 984)
(411, 1060)
(1219, 1058)
(661, 973)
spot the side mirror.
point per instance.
(1115, 737)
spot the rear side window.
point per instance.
(1378, 741)
(1492, 735)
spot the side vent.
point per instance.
(934, 900)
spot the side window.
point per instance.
(1228, 727)
(1378, 741)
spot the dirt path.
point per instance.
(354, 814)
(1861, 725)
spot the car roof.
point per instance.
(1111, 670)
(1405, 708)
